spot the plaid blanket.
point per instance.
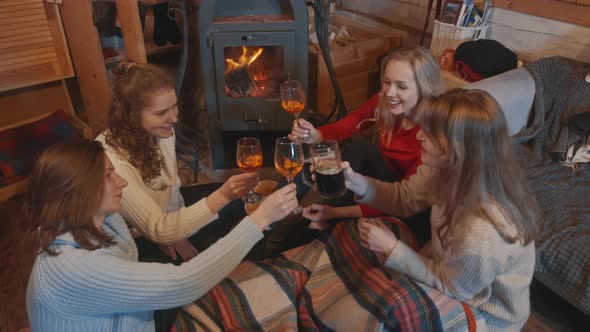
(330, 284)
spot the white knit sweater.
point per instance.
(108, 290)
(157, 209)
(488, 273)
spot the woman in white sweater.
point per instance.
(86, 276)
(140, 142)
(483, 216)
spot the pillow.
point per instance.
(21, 146)
(514, 90)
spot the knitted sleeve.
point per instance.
(402, 199)
(90, 283)
(140, 209)
(471, 268)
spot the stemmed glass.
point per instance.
(293, 97)
(289, 161)
(249, 159)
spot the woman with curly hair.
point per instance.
(140, 142)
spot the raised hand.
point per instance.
(276, 206)
(354, 181)
(238, 185)
(305, 132)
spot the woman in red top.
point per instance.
(407, 76)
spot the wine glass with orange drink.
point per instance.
(249, 159)
(293, 97)
(289, 160)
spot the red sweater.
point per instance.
(402, 153)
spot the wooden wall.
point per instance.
(529, 36)
(534, 37)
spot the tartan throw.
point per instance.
(330, 284)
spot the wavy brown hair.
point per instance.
(133, 88)
(62, 195)
(483, 171)
(428, 81)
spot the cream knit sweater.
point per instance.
(488, 273)
(156, 210)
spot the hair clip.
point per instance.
(127, 65)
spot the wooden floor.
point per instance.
(549, 312)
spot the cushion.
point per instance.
(514, 90)
(21, 146)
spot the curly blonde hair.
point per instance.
(133, 88)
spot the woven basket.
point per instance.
(450, 36)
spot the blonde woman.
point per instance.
(407, 77)
(483, 216)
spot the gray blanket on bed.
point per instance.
(563, 247)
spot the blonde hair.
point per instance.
(483, 171)
(133, 90)
(428, 81)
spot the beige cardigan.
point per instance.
(156, 210)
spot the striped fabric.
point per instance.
(332, 284)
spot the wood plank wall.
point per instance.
(531, 37)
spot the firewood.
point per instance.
(240, 82)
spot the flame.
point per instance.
(244, 60)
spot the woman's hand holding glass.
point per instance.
(304, 132)
(276, 206)
(237, 186)
(354, 181)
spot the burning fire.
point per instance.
(248, 56)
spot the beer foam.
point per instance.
(329, 168)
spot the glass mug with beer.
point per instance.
(329, 178)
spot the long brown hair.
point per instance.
(428, 80)
(133, 88)
(483, 170)
(64, 194)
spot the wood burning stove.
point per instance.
(247, 49)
